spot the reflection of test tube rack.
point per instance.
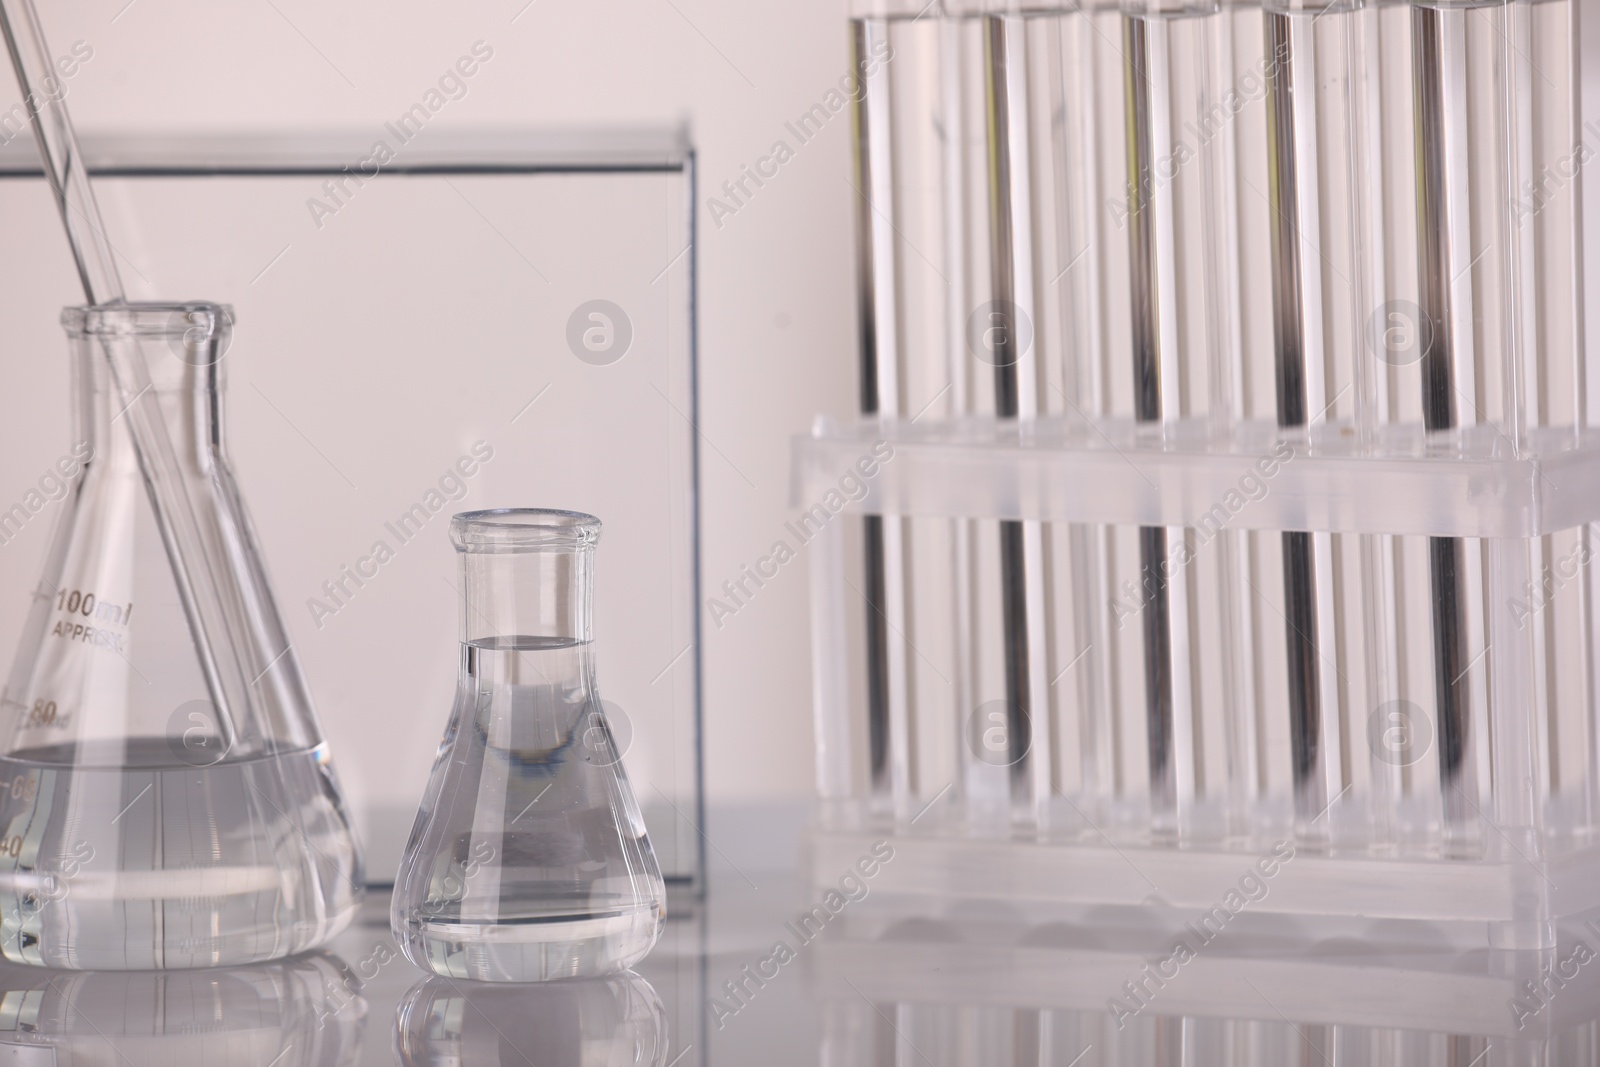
(1233, 357)
(1048, 994)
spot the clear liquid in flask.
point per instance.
(529, 859)
(150, 862)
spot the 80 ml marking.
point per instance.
(43, 716)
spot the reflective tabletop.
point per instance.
(768, 971)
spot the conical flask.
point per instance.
(528, 860)
(166, 798)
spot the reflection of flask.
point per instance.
(304, 1012)
(600, 1022)
(165, 797)
(529, 858)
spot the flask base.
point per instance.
(149, 865)
(585, 945)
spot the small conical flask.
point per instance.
(166, 798)
(528, 860)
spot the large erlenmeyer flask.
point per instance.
(528, 860)
(166, 799)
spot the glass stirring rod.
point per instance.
(64, 168)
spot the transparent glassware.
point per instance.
(529, 859)
(617, 1021)
(154, 812)
(308, 1011)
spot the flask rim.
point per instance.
(523, 530)
(196, 321)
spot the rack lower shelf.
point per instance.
(1508, 896)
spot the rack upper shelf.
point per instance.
(1114, 472)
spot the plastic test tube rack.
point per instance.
(1270, 516)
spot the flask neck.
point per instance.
(525, 599)
(183, 346)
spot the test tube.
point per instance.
(1546, 383)
(1021, 78)
(963, 201)
(1302, 142)
(1487, 291)
(924, 248)
(1087, 269)
(1497, 264)
(981, 334)
(1384, 224)
(1440, 92)
(1542, 382)
(952, 101)
(1241, 382)
(901, 296)
(883, 537)
(1450, 367)
(1167, 46)
(1145, 105)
